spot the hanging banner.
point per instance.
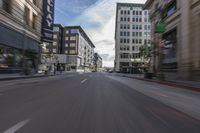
(48, 20)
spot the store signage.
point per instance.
(48, 20)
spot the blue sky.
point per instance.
(97, 17)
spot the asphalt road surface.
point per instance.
(96, 103)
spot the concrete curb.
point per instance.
(169, 83)
(23, 77)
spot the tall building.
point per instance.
(97, 62)
(180, 40)
(57, 39)
(132, 31)
(78, 47)
(20, 25)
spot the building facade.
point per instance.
(78, 47)
(97, 62)
(132, 31)
(20, 23)
(180, 41)
(57, 39)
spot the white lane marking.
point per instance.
(83, 81)
(16, 127)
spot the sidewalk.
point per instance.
(4, 77)
(191, 85)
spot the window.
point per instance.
(136, 34)
(133, 34)
(128, 48)
(124, 40)
(124, 33)
(136, 27)
(67, 31)
(140, 27)
(136, 19)
(128, 26)
(140, 34)
(128, 19)
(55, 36)
(72, 51)
(128, 12)
(124, 12)
(72, 38)
(66, 51)
(27, 15)
(133, 27)
(5, 5)
(34, 21)
(121, 19)
(121, 40)
(55, 29)
(121, 47)
(140, 41)
(133, 48)
(72, 45)
(133, 41)
(140, 19)
(128, 33)
(124, 26)
(54, 50)
(121, 26)
(145, 13)
(128, 41)
(74, 31)
(136, 12)
(133, 12)
(140, 13)
(146, 27)
(133, 19)
(54, 43)
(125, 19)
(145, 20)
(171, 9)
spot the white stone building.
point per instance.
(132, 31)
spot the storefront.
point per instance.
(17, 50)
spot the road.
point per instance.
(96, 103)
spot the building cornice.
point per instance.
(148, 4)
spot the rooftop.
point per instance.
(83, 33)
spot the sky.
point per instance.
(97, 18)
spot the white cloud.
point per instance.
(102, 15)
